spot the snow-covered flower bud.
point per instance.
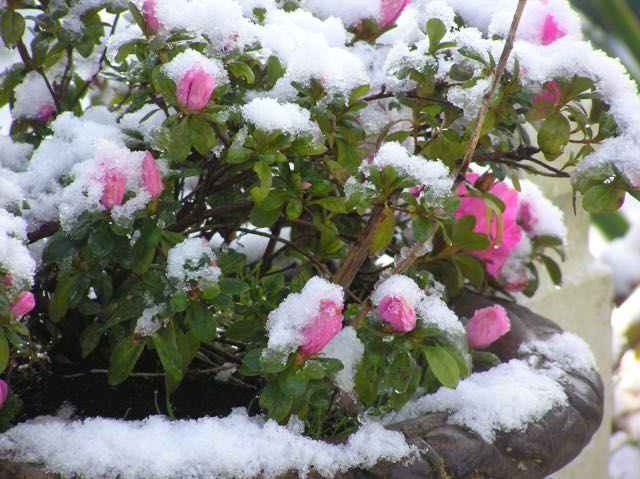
(4, 391)
(25, 303)
(390, 10)
(487, 325)
(45, 113)
(550, 92)
(551, 31)
(150, 16)
(397, 313)
(321, 330)
(151, 177)
(194, 89)
(114, 184)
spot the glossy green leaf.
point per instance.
(443, 365)
(124, 357)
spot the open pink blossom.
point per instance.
(25, 303)
(321, 330)
(498, 251)
(150, 16)
(114, 187)
(486, 325)
(45, 113)
(551, 30)
(151, 177)
(4, 391)
(390, 10)
(397, 313)
(550, 92)
(194, 89)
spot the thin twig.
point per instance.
(488, 95)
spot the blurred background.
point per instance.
(614, 26)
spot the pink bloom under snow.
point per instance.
(150, 16)
(551, 31)
(498, 252)
(194, 89)
(25, 303)
(397, 313)
(486, 325)
(114, 186)
(550, 92)
(321, 330)
(151, 177)
(4, 391)
(390, 10)
(45, 113)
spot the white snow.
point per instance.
(191, 59)
(15, 257)
(346, 347)
(268, 114)
(546, 218)
(350, 12)
(149, 323)
(31, 96)
(506, 398)
(14, 155)
(234, 447)
(288, 320)
(193, 260)
(568, 351)
(398, 286)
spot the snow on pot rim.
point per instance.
(455, 439)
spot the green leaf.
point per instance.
(553, 269)
(12, 27)
(169, 352)
(401, 371)
(239, 154)
(242, 70)
(4, 352)
(263, 218)
(443, 365)
(203, 138)
(90, 338)
(124, 357)
(69, 288)
(602, 199)
(201, 322)
(179, 145)
(435, 31)
(263, 170)
(383, 233)
(275, 71)
(471, 267)
(233, 286)
(293, 382)
(145, 248)
(553, 135)
(277, 404)
(101, 242)
(58, 248)
(335, 204)
(294, 209)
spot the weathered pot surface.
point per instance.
(449, 451)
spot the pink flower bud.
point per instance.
(390, 10)
(7, 280)
(114, 183)
(149, 14)
(486, 325)
(306, 185)
(517, 285)
(551, 31)
(45, 113)
(194, 89)
(25, 303)
(4, 391)
(321, 330)
(416, 190)
(151, 177)
(550, 92)
(397, 313)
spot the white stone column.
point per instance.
(582, 305)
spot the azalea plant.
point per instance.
(293, 192)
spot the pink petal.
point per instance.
(4, 391)
(321, 330)
(487, 325)
(551, 31)
(150, 16)
(194, 89)
(114, 186)
(390, 10)
(550, 92)
(45, 113)
(25, 304)
(397, 313)
(151, 177)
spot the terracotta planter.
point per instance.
(450, 451)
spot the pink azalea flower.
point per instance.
(321, 330)
(150, 16)
(306, 185)
(498, 252)
(526, 216)
(4, 391)
(114, 183)
(194, 89)
(25, 303)
(487, 325)
(551, 31)
(550, 92)
(517, 285)
(397, 313)
(7, 280)
(416, 190)
(390, 10)
(45, 113)
(151, 177)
